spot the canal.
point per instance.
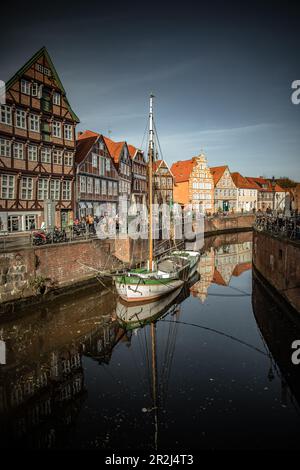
(213, 371)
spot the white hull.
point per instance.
(146, 292)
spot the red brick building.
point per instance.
(37, 145)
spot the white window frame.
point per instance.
(56, 129)
(32, 153)
(34, 89)
(68, 131)
(7, 186)
(25, 86)
(20, 119)
(43, 189)
(57, 156)
(94, 160)
(6, 115)
(45, 155)
(68, 159)
(103, 187)
(56, 98)
(97, 186)
(89, 185)
(34, 122)
(66, 190)
(26, 188)
(54, 189)
(5, 148)
(18, 150)
(82, 184)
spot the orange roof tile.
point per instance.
(181, 170)
(260, 181)
(217, 172)
(114, 148)
(242, 182)
(132, 150)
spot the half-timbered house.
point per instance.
(139, 175)
(96, 176)
(121, 157)
(37, 144)
(163, 182)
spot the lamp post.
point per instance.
(273, 183)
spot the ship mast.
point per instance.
(150, 164)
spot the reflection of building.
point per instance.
(225, 189)
(194, 183)
(163, 182)
(206, 268)
(221, 261)
(97, 177)
(37, 144)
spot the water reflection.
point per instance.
(91, 372)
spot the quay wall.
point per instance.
(230, 223)
(26, 273)
(278, 261)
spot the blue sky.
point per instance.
(221, 75)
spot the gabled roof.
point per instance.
(157, 164)
(264, 181)
(182, 170)
(132, 150)
(217, 172)
(218, 278)
(42, 52)
(242, 182)
(84, 144)
(241, 268)
(114, 148)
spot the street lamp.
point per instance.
(273, 183)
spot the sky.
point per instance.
(221, 73)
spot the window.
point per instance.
(18, 150)
(66, 190)
(30, 222)
(43, 189)
(25, 87)
(107, 164)
(68, 158)
(82, 184)
(103, 186)
(68, 132)
(56, 98)
(57, 157)
(89, 185)
(54, 189)
(46, 155)
(21, 119)
(56, 129)
(4, 148)
(26, 188)
(102, 166)
(7, 186)
(5, 115)
(97, 186)
(110, 191)
(115, 189)
(34, 123)
(94, 160)
(44, 70)
(32, 153)
(34, 89)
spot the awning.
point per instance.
(82, 205)
(89, 205)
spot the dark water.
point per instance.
(213, 372)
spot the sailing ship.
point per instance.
(159, 278)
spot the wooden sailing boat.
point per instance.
(158, 279)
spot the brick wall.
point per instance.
(279, 262)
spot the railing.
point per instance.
(279, 226)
